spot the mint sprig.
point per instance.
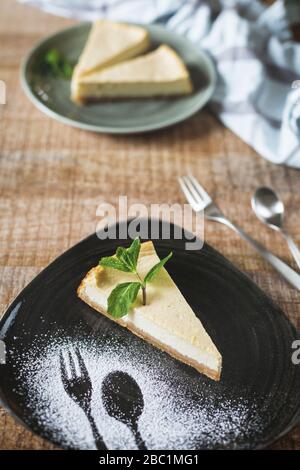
(54, 64)
(124, 295)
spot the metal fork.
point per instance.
(79, 387)
(200, 200)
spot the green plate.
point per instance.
(52, 96)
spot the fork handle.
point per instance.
(292, 246)
(100, 445)
(286, 271)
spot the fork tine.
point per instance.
(82, 366)
(196, 195)
(72, 364)
(63, 369)
(199, 188)
(187, 194)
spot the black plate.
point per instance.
(256, 401)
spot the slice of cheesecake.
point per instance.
(109, 43)
(158, 73)
(167, 321)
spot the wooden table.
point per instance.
(52, 177)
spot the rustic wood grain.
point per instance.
(52, 177)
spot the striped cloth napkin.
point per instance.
(258, 63)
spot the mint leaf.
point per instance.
(122, 297)
(53, 58)
(156, 268)
(134, 250)
(67, 69)
(129, 256)
(114, 263)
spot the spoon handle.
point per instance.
(138, 438)
(293, 247)
(289, 274)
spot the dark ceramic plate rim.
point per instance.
(293, 424)
(110, 129)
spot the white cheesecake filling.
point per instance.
(157, 333)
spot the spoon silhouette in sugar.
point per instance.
(123, 400)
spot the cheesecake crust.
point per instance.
(80, 100)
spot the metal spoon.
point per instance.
(123, 400)
(270, 210)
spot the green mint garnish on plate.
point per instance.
(59, 65)
(124, 295)
(54, 64)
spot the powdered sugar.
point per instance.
(180, 411)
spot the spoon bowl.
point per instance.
(125, 407)
(270, 210)
(268, 207)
